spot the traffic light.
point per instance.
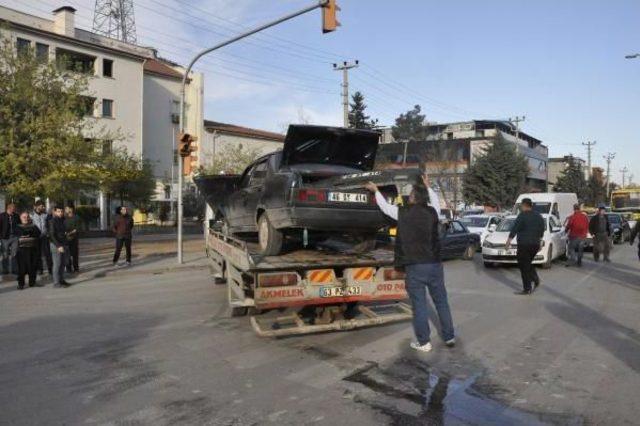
(185, 141)
(329, 20)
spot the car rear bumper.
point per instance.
(328, 218)
(491, 255)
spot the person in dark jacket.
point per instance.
(634, 234)
(28, 236)
(122, 228)
(59, 247)
(529, 228)
(600, 228)
(72, 226)
(417, 250)
(9, 221)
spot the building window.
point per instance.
(86, 106)
(42, 52)
(107, 68)
(107, 147)
(74, 61)
(107, 108)
(22, 46)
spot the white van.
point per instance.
(556, 203)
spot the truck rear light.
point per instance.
(391, 274)
(312, 196)
(277, 279)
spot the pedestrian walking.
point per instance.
(417, 250)
(577, 228)
(39, 217)
(634, 234)
(122, 228)
(58, 246)
(9, 221)
(528, 228)
(600, 228)
(72, 229)
(28, 236)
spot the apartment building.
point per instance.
(133, 94)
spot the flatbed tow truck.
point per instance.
(326, 288)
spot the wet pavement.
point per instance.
(154, 345)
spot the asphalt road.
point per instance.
(154, 345)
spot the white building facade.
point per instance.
(133, 92)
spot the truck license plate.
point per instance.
(346, 197)
(354, 290)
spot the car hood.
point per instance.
(324, 145)
(475, 229)
(499, 238)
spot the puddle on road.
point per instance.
(409, 393)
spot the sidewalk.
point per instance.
(151, 254)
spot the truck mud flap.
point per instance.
(294, 324)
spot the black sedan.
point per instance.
(457, 242)
(620, 229)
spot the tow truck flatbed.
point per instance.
(346, 289)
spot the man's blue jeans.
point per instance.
(418, 278)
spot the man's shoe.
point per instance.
(21, 287)
(523, 293)
(65, 284)
(421, 348)
(451, 342)
(57, 286)
(128, 263)
(36, 285)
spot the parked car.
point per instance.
(620, 228)
(457, 242)
(482, 225)
(553, 244)
(315, 184)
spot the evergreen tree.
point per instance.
(410, 126)
(497, 177)
(572, 180)
(357, 116)
(596, 191)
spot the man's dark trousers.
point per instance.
(27, 265)
(127, 245)
(44, 251)
(74, 250)
(418, 278)
(525, 255)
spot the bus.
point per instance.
(626, 201)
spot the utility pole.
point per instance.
(624, 172)
(328, 24)
(345, 67)
(517, 120)
(609, 157)
(589, 145)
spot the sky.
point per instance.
(560, 64)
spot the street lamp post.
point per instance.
(318, 4)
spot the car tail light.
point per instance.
(277, 280)
(311, 195)
(391, 274)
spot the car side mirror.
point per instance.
(493, 227)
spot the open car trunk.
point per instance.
(216, 188)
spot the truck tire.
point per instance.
(269, 238)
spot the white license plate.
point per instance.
(354, 290)
(510, 252)
(347, 197)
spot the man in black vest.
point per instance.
(417, 249)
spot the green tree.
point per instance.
(596, 191)
(230, 159)
(410, 125)
(496, 177)
(572, 179)
(47, 147)
(358, 119)
(127, 177)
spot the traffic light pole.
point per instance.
(319, 4)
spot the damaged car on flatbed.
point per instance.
(314, 188)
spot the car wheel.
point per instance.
(489, 264)
(547, 264)
(269, 238)
(469, 252)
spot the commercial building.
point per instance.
(449, 148)
(133, 94)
